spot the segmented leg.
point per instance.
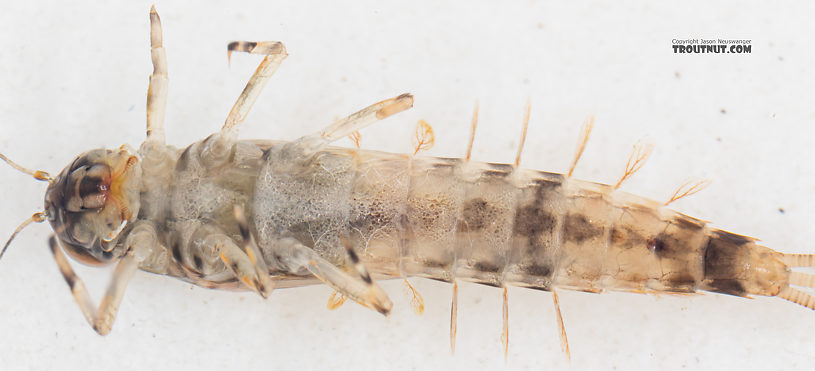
(157, 91)
(585, 132)
(366, 116)
(310, 144)
(635, 161)
(523, 133)
(275, 53)
(141, 240)
(296, 256)
(564, 341)
(473, 126)
(250, 249)
(241, 262)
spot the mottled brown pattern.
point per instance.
(726, 260)
(532, 220)
(578, 228)
(487, 266)
(540, 270)
(626, 237)
(684, 221)
(435, 264)
(492, 174)
(536, 230)
(476, 214)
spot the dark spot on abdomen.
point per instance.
(539, 270)
(532, 220)
(476, 214)
(656, 245)
(729, 287)
(486, 267)
(577, 228)
(726, 258)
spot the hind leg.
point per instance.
(296, 257)
(305, 147)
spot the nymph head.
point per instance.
(91, 202)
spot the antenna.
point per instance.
(37, 217)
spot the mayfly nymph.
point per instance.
(257, 215)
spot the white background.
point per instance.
(74, 77)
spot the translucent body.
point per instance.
(439, 218)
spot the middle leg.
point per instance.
(275, 53)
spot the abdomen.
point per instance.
(494, 224)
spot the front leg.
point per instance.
(157, 91)
(140, 243)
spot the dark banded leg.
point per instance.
(275, 53)
(373, 288)
(306, 146)
(250, 247)
(295, 257)
(247, 265)
(218, 148)
(366, 116)
(101, 318)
